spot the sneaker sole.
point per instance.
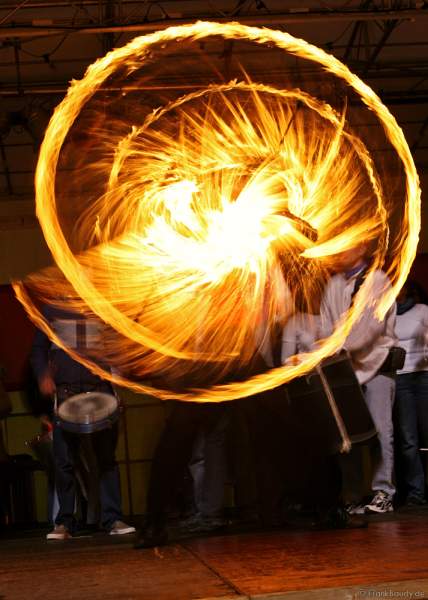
(58, 537)
(123, 531)
(374, 509)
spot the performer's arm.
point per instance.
(327, 319)
(289, 340)
(369, 327)
(39, 360)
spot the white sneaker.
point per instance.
(381, 503)
(121, 528)
(59, 532)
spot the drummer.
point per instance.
(369, 344)
(58, 375)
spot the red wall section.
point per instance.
(16, 335)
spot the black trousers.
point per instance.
(265, 415)
(290, 457)
(312, 468)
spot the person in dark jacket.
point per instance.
(59, 376)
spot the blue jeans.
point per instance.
(66, 447)
(208, 467)
(411, 426)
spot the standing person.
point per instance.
(208, 468)
(368, 344)
(59, 375)
(411, 396)
(319, 464)
(185, 423)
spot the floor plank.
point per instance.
(102, 569)
(302, 560)
(390, 557)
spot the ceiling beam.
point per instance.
(389, 28)
(270, 19)
(400, 97)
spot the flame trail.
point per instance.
(203, 235)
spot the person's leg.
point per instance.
(406, 427)
(104, 445)
(91, 481)
(352, 469)
(422, 412)
(422, 407)
(172, 455)
(197, 470)
(379, 394)
(65, 447)
(215, 463)
(242, 464)
(266, 425)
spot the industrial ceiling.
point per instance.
(44, 45)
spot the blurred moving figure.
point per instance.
(173, 453)
(208, 468)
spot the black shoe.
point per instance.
(205, 525)
(339, 518)
(416, 501)
(413, 503)
(354, 522)
(151, 537)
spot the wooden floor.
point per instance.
(387, 560)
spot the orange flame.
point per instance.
(204, 231)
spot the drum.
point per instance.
(329, 402)
(88, 412)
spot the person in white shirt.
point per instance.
(299, 335)
(411, 397)
(368, 344)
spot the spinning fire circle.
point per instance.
(217, 215)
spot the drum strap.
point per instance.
(359, 280)
(80, 334)
(346, 442)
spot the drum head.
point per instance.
(87, 408)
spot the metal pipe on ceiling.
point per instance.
(12, 12)
(61, 89)
(390, 98)
(70, 4)
(390, 71)
(255, 20)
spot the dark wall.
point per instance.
(16, 334)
